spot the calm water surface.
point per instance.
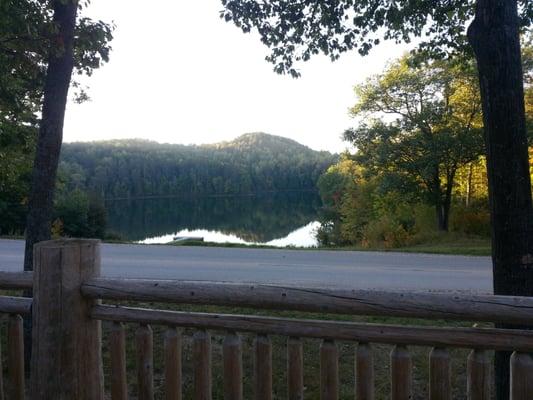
(285, 219)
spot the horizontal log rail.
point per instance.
(490, 308)
(16, 280)
(15, 305)
(480, 338)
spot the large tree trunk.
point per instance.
(60, 64)
(59, 71)
(494, 37)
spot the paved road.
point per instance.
(311, 268)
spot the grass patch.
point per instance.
(439, 243)
(451, 243)
(453, 248)
(198, 243)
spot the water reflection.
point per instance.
(302, 237)
(278, 219)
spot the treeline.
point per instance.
(92, 172)
(419, 167)
(252, 163)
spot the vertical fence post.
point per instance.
(201, 356)
(295, 369)
(232, 351)
(521, 376)
(172, 356)
(145, 362)
(439, 374)
(66, 359)
(15, 358)
(401, 373)
(117, 350)
(262, 368)
(478, 375)
(364, 372)
(329, 371)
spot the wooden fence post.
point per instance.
(66, 359)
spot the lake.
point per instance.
(281, 219)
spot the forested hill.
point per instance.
(252, 163)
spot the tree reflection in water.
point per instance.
(257, 219)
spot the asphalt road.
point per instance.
(310, 268)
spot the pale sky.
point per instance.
(180, 74)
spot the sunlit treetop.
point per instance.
(295, 30)
(27, 35)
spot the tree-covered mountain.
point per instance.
(252, 163)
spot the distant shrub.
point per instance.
(471, 221)
(57, 228)
(327, 234)
(96, 218)
(77, 215)
(385, 232)
(112, 236)
(424, 217)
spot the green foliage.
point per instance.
(79, 215)
(418, 144)
(252, 163)
(385, 232)
(26, 39)
(471, 220)
(297, 30)
(96, 218)
(435, 128)
(333, 187)
(331, 183)
(72, 210)
(16, 150)
(26, 30)
(357, 209)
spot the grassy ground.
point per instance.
(311, 360)
(451, 243)
(448, 243)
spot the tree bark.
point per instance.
(58, 75)
(440, 206)
(447, 202)
(442, 216)
(445, 217)
(494, 36)
(469, 184)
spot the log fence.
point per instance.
(67, 311)
(14, 387)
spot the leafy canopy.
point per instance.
(419, 124)
(26, 40)
(295, 30)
